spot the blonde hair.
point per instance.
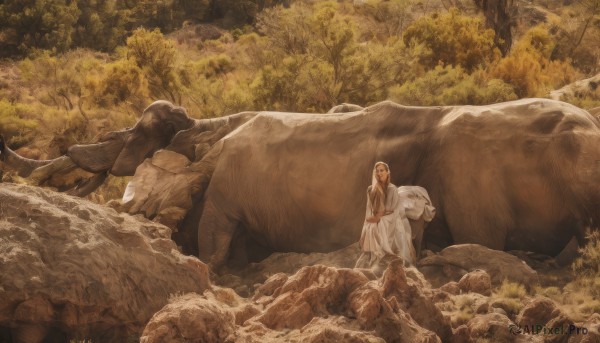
(378, 190)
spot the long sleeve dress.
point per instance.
(388, 236)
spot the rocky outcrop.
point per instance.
(316, 304)
(82, 271)
(579, 88)
(455, 261)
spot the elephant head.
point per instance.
(122, 151)
(155, 129)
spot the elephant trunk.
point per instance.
(23, 166)
(99, 157)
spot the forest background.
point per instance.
(74, 69)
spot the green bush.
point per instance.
(37, 24)
(452, 39)
(156, 56)
(452, 86)
(15, 122)
(122, 81)
(528, 66)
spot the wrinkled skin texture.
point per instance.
(512, 176)
(516, 176)
(155, 129)
(120, 152)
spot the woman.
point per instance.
(383, 233)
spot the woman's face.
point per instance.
(381, 173)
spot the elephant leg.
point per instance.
(417, 228)
(215, 232)
(569, 253)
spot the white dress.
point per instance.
(389, 236)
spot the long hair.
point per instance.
(379, 189)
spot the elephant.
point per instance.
(119, 153)
(519, 175)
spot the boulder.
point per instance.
(316, 304)
(477, 281)
(538, 311)
(80, 270)
(586, 332)
(190, 318)
(491, 326)
(455, 261)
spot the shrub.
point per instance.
(588, 265)
(37, 24)
(15, 122)
(528, 66)
(121, 81)
(452, 86)
(156, 56)
(452, 39)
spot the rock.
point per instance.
(316, 304)
(463, 307)
(190, 318)
(491, 326)
(81, 269)
(561, 322)
(451, 287)
(460, 334)
(451, 263)
(414, 301)
(477, 281)
(321, 292)
(586, 332)
(537, 312)
(579, 87)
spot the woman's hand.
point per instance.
(374, 219)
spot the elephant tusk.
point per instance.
(23, 166)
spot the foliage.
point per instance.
(156, 56)
(15, 121)
(121, 81)
(509, 296)
(101, 25)
(529, 69)
(317, 62)
(511, 290)
(241, 12)
(387, 18)
(302, 55)
(578, 35)
(452, 39)
(452, 86)
(588, 265)
(37, 24)
(165, 15)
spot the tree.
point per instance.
(528, 66)
(37, 24)
(156, 56)
(452, 86)
(451, 39)
(499, 15)
(100, 26)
